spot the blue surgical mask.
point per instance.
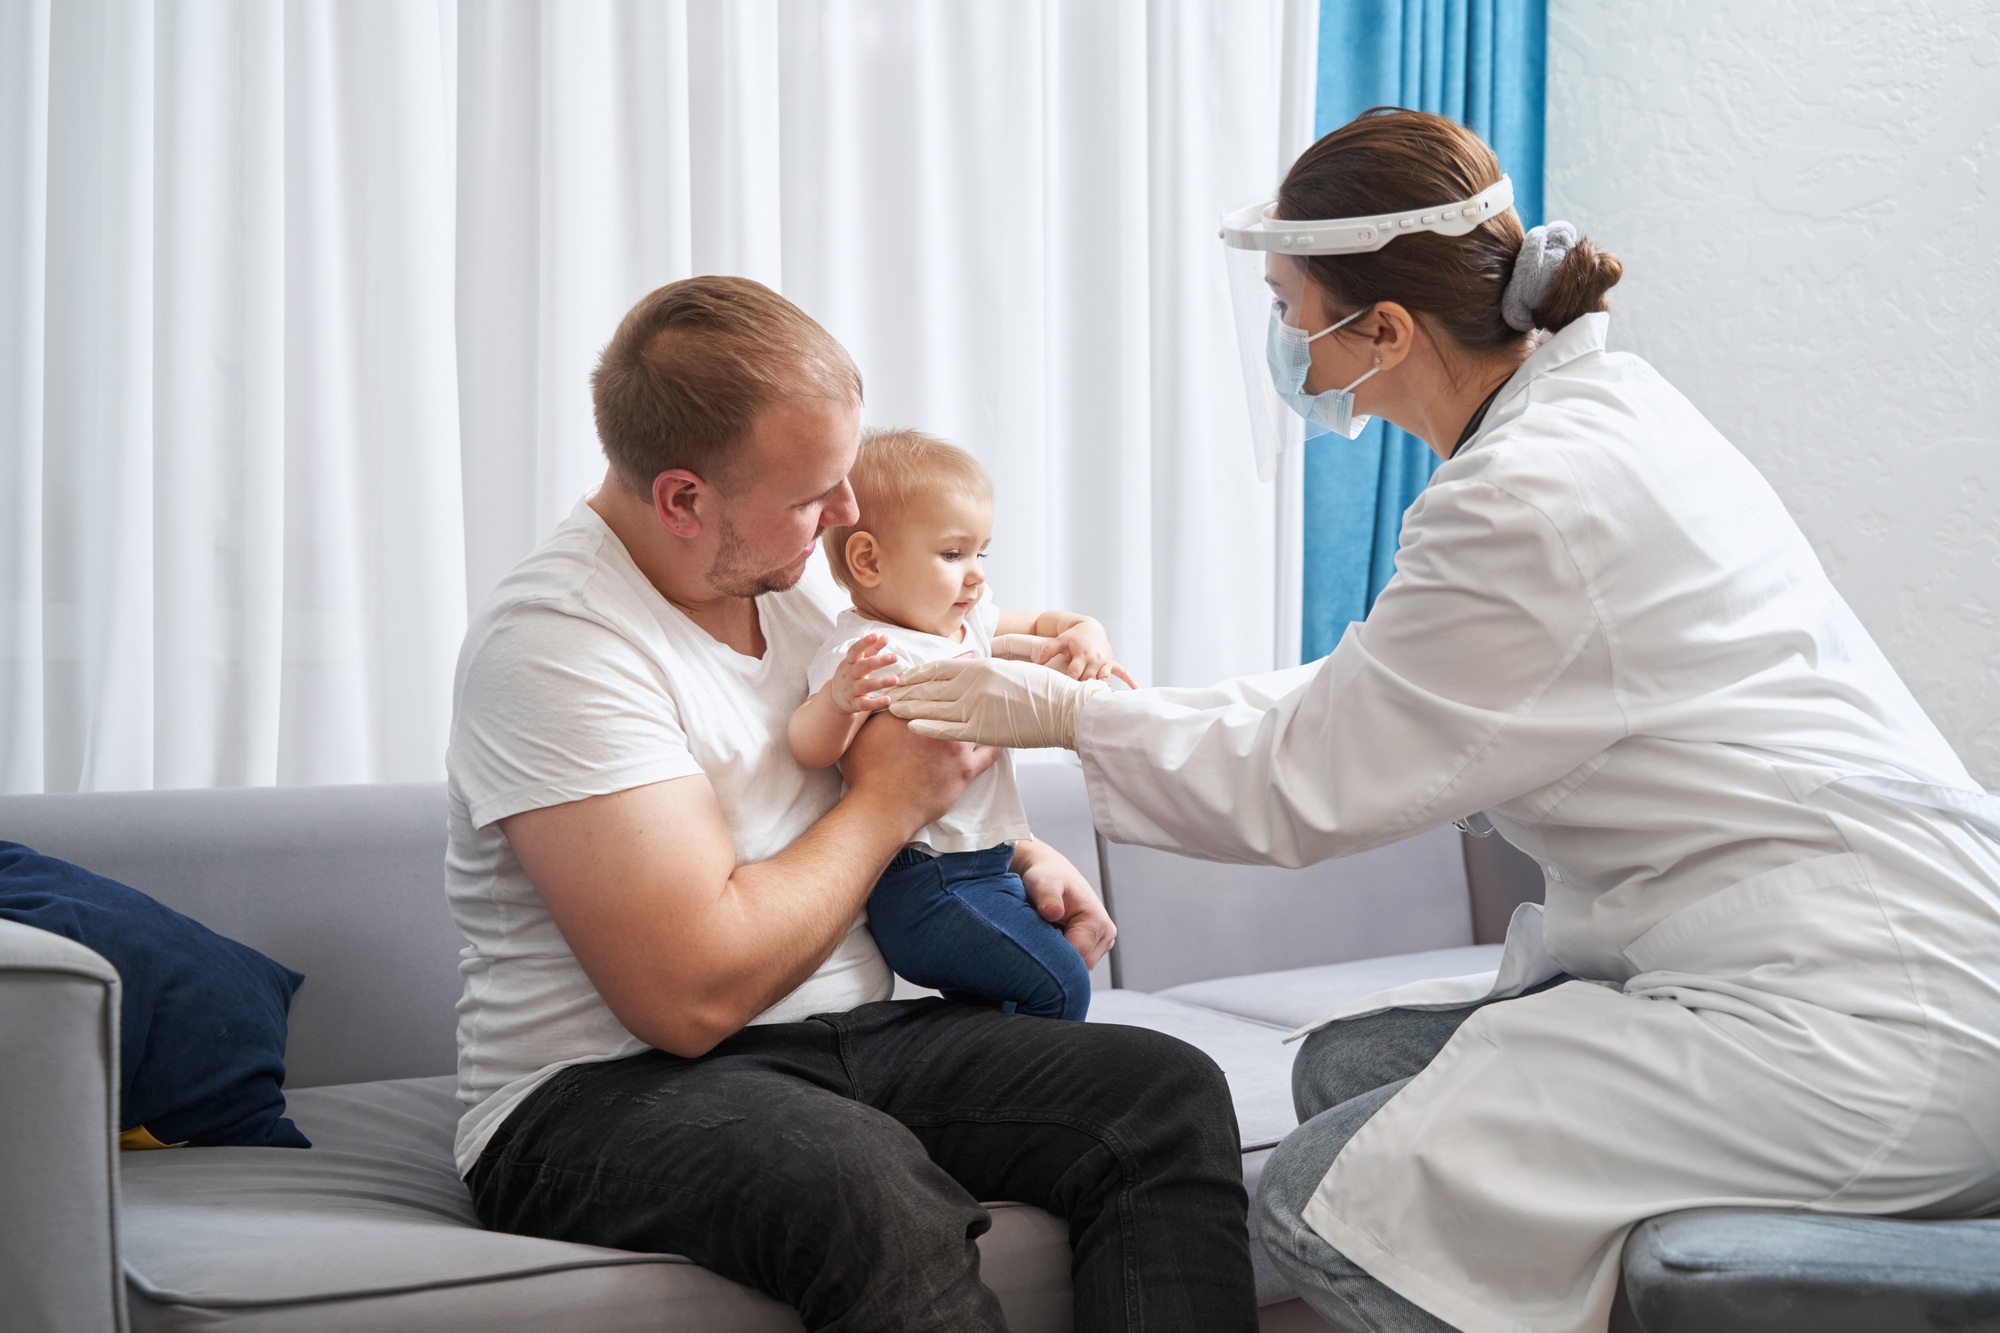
(1288, 352)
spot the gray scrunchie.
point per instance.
(1542, 253)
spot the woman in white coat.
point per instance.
(1768, 968)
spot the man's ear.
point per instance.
(680, 499)
(864, 558)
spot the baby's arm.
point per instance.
(823, 726)
(1074, 645)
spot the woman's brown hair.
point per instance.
(1389, 160)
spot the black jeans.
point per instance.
(837, 1163)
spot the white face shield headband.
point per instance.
(1264, 253)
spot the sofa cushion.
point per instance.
(1252, 1055)
(1735, 1270)
(201, 1018)
(1291, 999)
(372, 1229)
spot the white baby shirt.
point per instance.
(990, 811)
(577, 679)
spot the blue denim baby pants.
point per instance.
(961, 924)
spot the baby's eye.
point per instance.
(949, 555)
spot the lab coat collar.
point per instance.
(1583, 336)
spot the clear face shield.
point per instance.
(1267, 278)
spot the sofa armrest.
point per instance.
(58, 1135)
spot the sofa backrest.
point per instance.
(344, 884)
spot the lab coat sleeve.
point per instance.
(1482, 673)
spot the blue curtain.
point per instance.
(1482, 63)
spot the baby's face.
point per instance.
(933, 564)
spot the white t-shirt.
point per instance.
(990, 811)
(577, 679)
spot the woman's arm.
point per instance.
(1481, 673)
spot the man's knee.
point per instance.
(1183, 1078)
(1157, 1095)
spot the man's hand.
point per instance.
(867, 669)
(1058, 891)
(906, 779)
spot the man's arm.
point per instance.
(685, 945)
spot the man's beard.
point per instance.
(731, 573)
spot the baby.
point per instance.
(950, 912)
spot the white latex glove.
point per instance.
(991, 701)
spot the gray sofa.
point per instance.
(371, 1229)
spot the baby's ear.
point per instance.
(864, 558)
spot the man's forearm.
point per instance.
(784, 916)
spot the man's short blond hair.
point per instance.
(894, 470)
(691, 366)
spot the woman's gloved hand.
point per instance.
(990, 701)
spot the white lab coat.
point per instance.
(1778, 885)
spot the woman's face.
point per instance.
(1337, 359)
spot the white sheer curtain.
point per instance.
(297, 305)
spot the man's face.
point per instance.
(788, 487)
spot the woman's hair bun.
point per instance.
(1578, 287)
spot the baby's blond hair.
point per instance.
(893, 470)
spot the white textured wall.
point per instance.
(1807, 199)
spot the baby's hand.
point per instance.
(1083, 652)
(855, 682)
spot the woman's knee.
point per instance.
(1344, 1060)
(1297, 1166)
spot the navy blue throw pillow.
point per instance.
(202, 1025)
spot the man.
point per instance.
(676, 1033)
